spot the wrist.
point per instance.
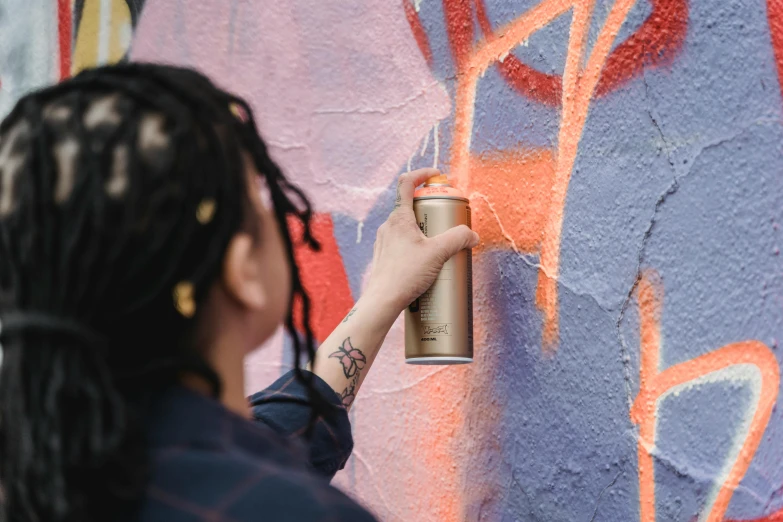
(380, 305)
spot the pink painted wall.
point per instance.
(344, 97)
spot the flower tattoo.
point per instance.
(349, 393)
(351, 358)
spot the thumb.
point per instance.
(454, 240)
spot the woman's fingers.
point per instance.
(407, 184)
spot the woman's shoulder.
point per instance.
(234, 487)
(297, 496)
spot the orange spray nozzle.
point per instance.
(438, 186)
(440, 179)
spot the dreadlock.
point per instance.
(101, 181)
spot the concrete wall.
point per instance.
(624, 162)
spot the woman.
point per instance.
(143, 254)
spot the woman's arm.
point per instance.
(345, 357)
(405, 264)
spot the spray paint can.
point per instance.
(439, 324)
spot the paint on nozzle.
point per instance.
(439, 324)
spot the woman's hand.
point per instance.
(405, 264)
(405, 261)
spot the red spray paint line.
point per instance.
(65, 36)
(775, 17)
(656, 42)
(419, 34)
(323, 277)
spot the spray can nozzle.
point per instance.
(440, 179)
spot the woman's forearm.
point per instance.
(345, 357)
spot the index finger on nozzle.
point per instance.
(408, 182)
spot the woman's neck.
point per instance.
(229, 366)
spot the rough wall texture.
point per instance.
(624, 162)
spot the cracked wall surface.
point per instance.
(624, 162)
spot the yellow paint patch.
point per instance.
(104, 34)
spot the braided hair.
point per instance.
(103, 179)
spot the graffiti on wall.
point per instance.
(596, 138)
(749, 361)
(657, 39)
(69, 36)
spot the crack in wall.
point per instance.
(527, 496)
(673, 187)
(530, 500)
(697, 474)
(604, 490)
(625, 356)
(668, 147)
(528, 260)
(774, 495)
(503, 231)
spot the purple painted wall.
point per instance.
(623, 159)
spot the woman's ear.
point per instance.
(243, 273)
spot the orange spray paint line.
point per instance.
(482, 58)
(578, 88)
(655, 385)
(444, 394)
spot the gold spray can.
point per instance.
(439, 324)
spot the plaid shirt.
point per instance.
(209, 464)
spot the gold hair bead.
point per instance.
(183, 299)
(205, 211)
(237, 111)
